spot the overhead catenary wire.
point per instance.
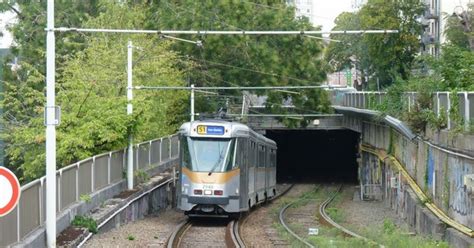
(235, 87)
(219, 32)
(251, 70)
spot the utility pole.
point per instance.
(50, 122)
(129, 112)
(243, 106)
(192, 102)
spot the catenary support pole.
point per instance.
(192, 102)
(243, 106)
(129, 112)
(50, 129)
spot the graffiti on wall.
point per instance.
(459, 200)
(370, 176)
(430, 169)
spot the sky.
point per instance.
(325, 11)
(5, 19)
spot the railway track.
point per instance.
(325, 216)
(200, 233)
(206, 233)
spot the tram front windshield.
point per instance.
(208, 154)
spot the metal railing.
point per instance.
(77, 180)
(442, 103)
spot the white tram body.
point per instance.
(225, 168)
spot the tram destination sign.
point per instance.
(210, 130)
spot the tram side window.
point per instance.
(273, 158)
(239, 160)
(242, 151)
(253, 153)
(185, 156)
(231, 159)
(261, 156)
(268, 155)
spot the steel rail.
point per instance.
(232, 235)
(237, 239)
(327, 218)
(287, 228)
(175, 239)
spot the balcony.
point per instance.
(431, 14)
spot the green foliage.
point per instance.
(388, 226)
(392, 104)
(454, 68)
(422, 113)
(438, 122)
(91, 90)
(393, 236)
(247, 60)
(456, 32)
(383, 57)
(457, 122)
(86, 222)
(131, 237)
(336, 214)
(23, 88)
(85, 198)
(142, 176)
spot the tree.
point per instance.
(385, 56)
(23, 97)
(244, 60)
(92, 93)
(459, 28)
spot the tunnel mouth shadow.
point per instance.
(316, 156)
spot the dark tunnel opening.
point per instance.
(316, 155)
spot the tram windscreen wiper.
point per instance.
(217, 163)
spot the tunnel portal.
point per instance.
(316, 155)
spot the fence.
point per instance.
(442, 103)
(81, 178)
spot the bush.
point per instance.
(86, 222)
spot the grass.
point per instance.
(393, 236)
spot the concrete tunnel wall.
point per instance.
(316, 155)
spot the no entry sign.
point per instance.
(9, 191)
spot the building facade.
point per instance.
(303, 8)
(431, 21)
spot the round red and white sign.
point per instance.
(9, 191)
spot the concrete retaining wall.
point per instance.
(438, 173)
(38, 237)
